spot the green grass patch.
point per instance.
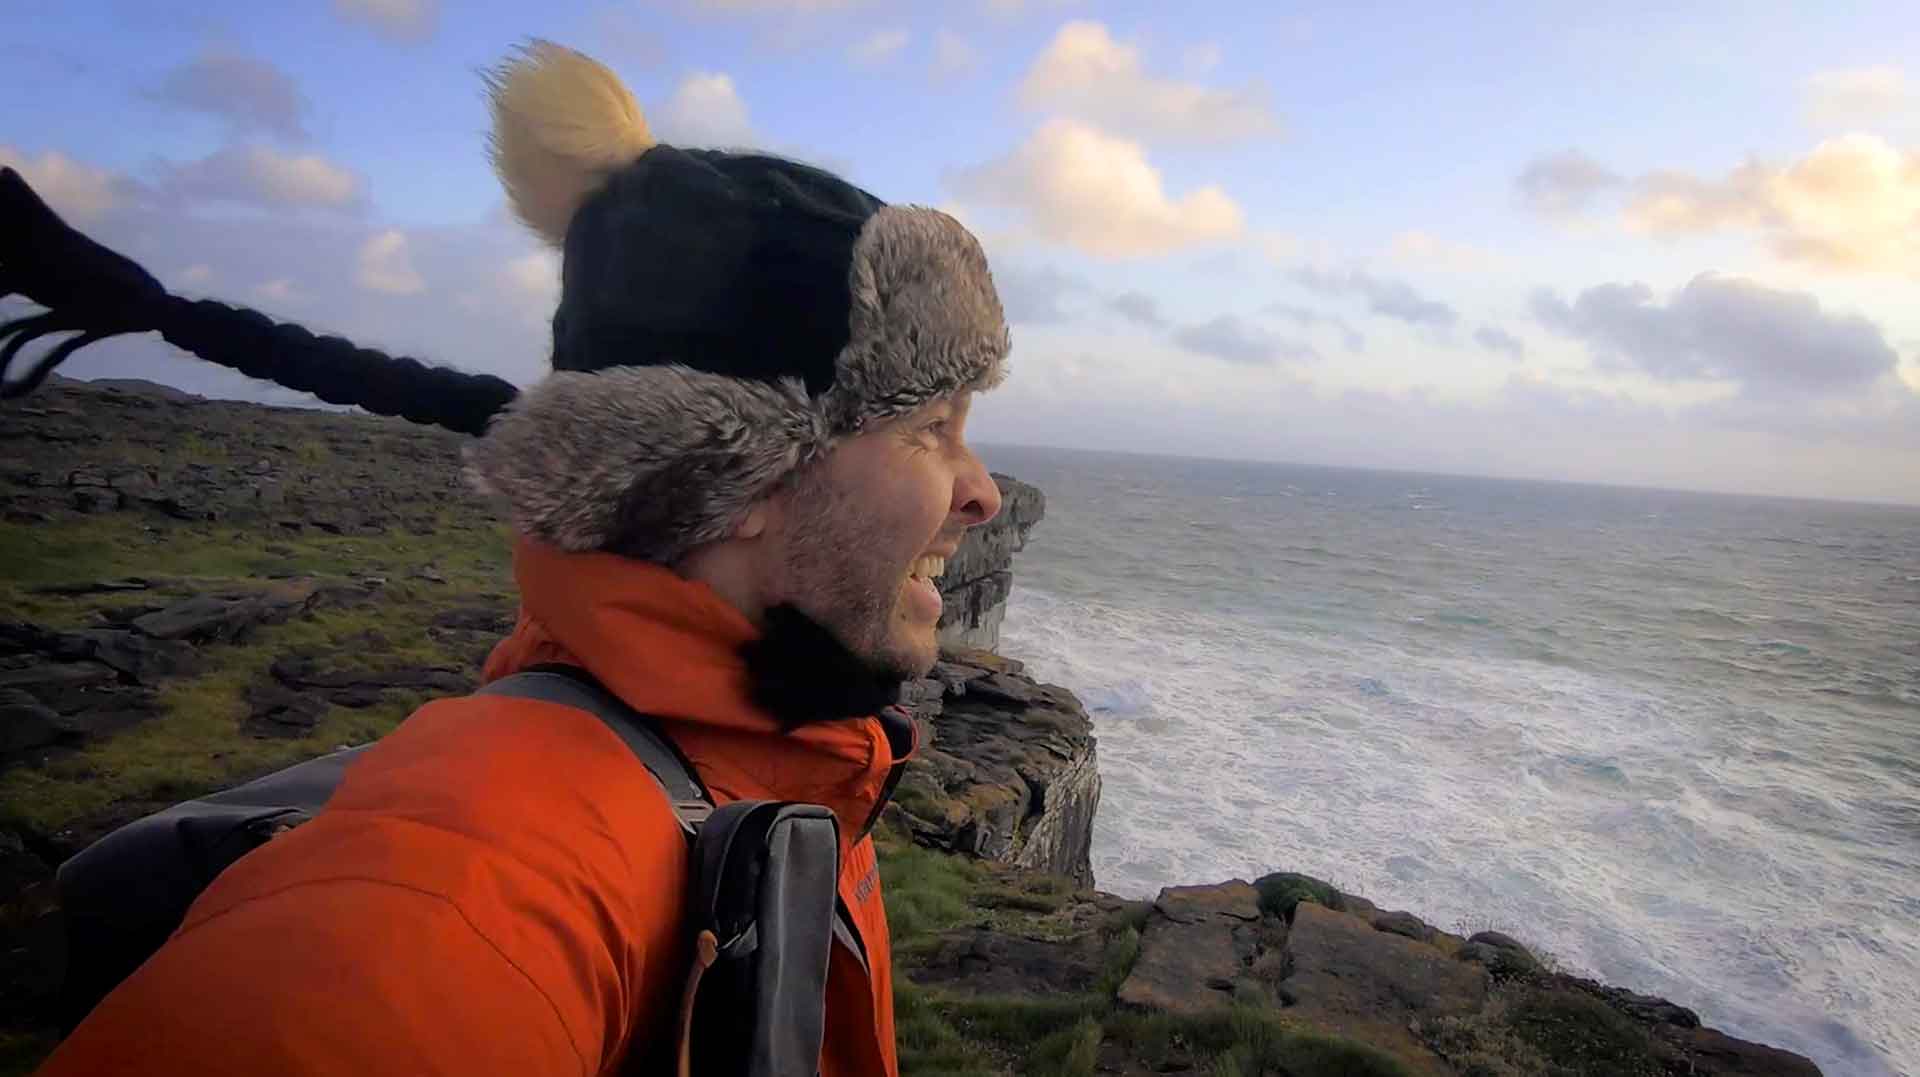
(1582, 1036)
(196, 744)
(120, 544)
(1116, 960)
(1245, 1042)
(195, 747)
(926, 892)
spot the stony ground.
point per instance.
(1017, 972)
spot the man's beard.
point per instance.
(843, 576)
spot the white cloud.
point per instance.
(1495, 339)
(1724, 329)
(1563, 184)
(1019, 7)
(1229, 338)
(1851, 205)
(706, 110)
(790, 6)
(264, 176)
(407, 21)
(953, 56)
(1099, 194)
(1201, 58)
(1086, 73)
(384, 265)
(536, 275)
(1415, 247)
(278, 290)
(1386, 297)
(74, 190)
(878, 47)
(1854, 98)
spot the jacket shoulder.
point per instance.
(531, 822)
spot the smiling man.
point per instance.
(731, 498)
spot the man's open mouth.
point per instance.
(928, 568)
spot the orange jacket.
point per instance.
(496, 886)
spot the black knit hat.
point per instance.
(723, 319)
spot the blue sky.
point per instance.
(1643, 244)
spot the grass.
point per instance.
(1527, 1030)
(197, 744)
(955, 1035)
(926, 892)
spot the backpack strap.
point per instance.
(570, 686)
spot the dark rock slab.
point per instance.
(1402, 923)
(47, 678)
(976, 583)
(1350, 980)
(1502, 954)
(204, 618)
(278, 712)
(318, 675)
(1006, 769)
(26, 723)
(1706, 1052)
(476, 619)
(1198, 944)
(92, 587)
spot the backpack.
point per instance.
(763, 909)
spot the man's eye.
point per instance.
(937, 428)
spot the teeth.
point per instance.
(929, 567)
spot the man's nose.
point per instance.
(976, 497)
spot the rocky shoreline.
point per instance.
(201, 591)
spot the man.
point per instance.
(730, 498)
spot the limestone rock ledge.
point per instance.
(1006, 769)
(978, 578)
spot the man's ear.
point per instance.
(754, 523)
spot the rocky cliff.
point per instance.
(1006, 771)
(979, 576)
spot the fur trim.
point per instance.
(652, 461)
(644, 461)
(562, 123)
(926, 320)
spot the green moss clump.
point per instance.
(1282, 890)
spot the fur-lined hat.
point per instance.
(723, 319)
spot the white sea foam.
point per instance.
(1603, 821)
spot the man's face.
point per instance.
(858, 530)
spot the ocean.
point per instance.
(1671, 738)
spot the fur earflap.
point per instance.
(561, 123)
(926, 321)
(644, 461)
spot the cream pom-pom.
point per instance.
(562, 122)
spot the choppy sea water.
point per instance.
(1672, 738)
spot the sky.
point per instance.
(1649, 244)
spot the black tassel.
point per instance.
(86, 288)
(802, 673)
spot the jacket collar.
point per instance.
(675, 649)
